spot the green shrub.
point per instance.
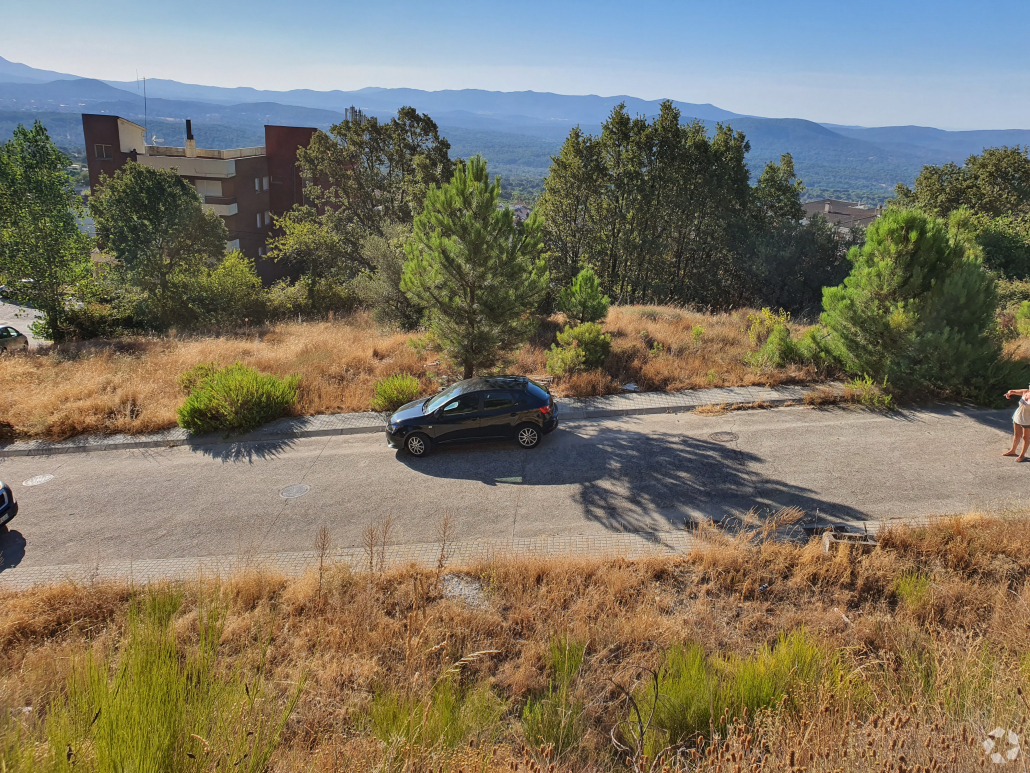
(592, 343)
(556, 719)
(447, 717)
(583, 301)
(779, 349)
(917, 309)
(869, 393)
(564, 361)
(1023, 318)
(233, 399)
(697, 332)
(761, 324)
(394, 391)
(148, 705)
(695, 690)
(228, 295)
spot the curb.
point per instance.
(191, 442)
(177, 438)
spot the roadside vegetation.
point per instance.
(134, 384)
(668, 270)
(745, 654)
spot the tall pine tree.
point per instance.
(478, 272)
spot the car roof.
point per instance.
(493, 382)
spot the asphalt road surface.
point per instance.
(20, 317)
(645, 473)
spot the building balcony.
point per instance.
(223, 206)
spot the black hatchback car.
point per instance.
(476, 409)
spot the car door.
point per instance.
(6, 338)
(458, 420)
(498, 414)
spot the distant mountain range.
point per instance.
(516, 132)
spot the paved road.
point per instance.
(635, 474)
(20, 317)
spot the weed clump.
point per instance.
(233, 399)
(583, 347)
(394, 391)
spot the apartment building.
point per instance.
(246, 187)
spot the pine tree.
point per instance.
(582, 301)
(478, 272)
(917, 309)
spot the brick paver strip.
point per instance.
(628, 545)
(569, 409)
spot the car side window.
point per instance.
(495, 400)
(464, 404)
(6, 333)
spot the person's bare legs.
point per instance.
(1026, 444)
(1017, 434)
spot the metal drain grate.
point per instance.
(294, 491)
(37, 480)
(723, 437)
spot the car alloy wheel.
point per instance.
(417, 445)
(528, 437)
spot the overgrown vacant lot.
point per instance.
(745, 655)
(131, 385)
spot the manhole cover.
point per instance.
(723, 437)
(37, 480)
(294, 491)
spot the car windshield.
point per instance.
(435, 402)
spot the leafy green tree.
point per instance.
(777, 196)
(995, 183)
(582, 301)
(40, 239)
(792, 262)
(917, 308)
(479, 273)
(367, 175)
(654, 207)
(153, 222)
(381, 287)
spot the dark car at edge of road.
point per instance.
(475, 410)
(8, 505)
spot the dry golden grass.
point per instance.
(714, 356)
(130, 385)
(922, 676)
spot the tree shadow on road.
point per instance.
(628, 480)
(245, 451)
(12, 548)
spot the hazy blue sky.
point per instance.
(943, 63)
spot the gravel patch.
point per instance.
(464, 588)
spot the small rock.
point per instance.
(630, 387)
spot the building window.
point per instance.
(264, 183)
(261, 251)
(268, 218)
(232, 245)
(257, 184)
(103, 152)
(259, 219)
